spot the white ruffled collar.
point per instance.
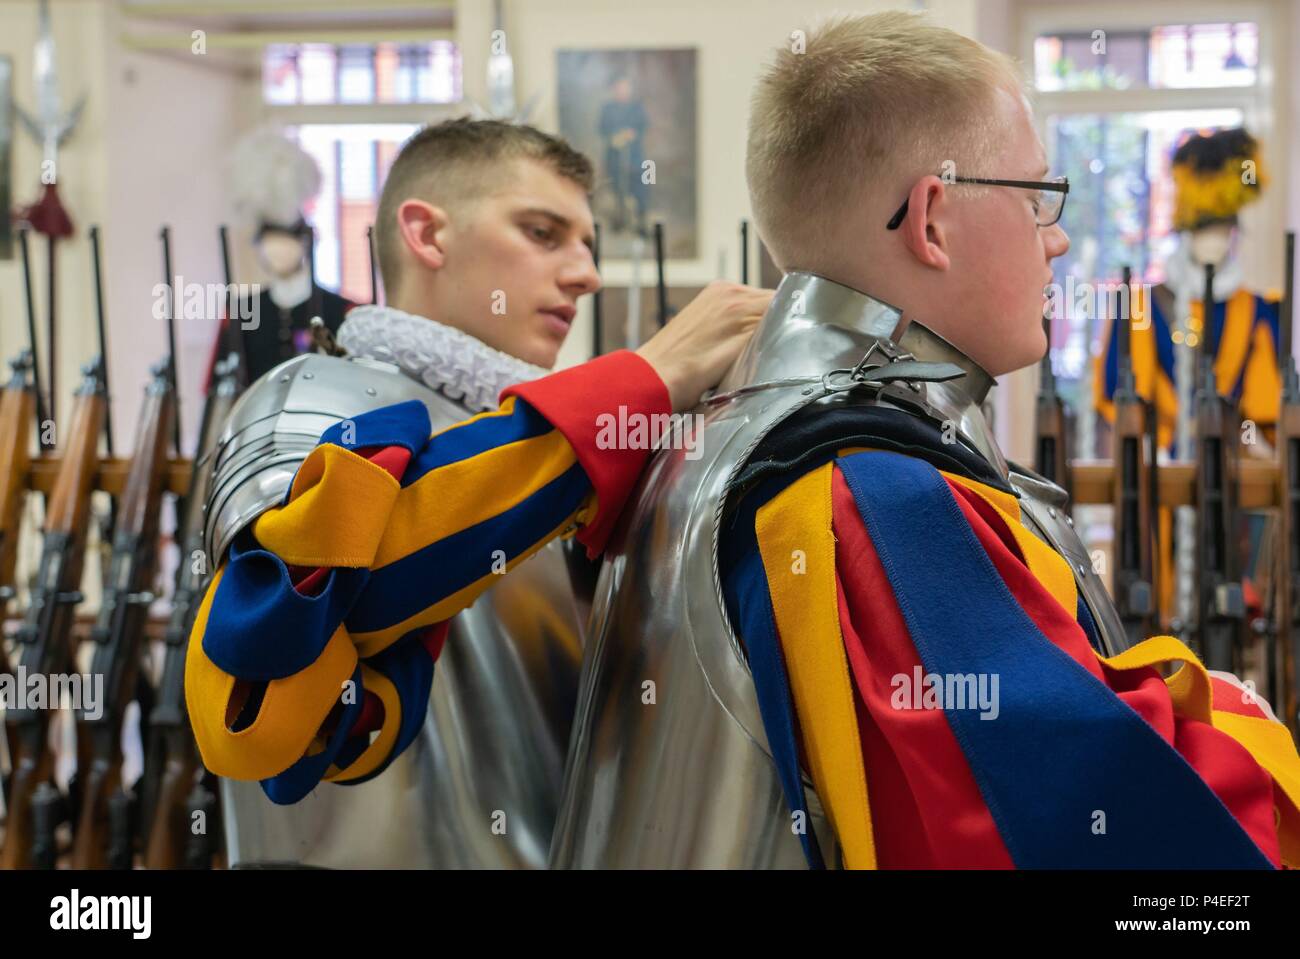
(457, 365)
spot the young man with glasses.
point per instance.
(906, 619)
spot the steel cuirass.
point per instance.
(479, 786)
(669, 765)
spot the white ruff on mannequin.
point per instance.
(443, 358)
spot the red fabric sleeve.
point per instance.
(620, 384)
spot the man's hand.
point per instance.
(698, 345)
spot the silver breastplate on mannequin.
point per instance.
(687, 780)
(479, 786)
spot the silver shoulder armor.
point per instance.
(278, 421)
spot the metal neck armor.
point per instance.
(816, 325)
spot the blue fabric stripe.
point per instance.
(408, 666)
(260, 628)
(465, 442)
(403, 424)
(749, 602)
(1063, 747)
(403, 588)
(303, 776)
(1084, 617)
(1160, 333)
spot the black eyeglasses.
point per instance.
(1051, 200)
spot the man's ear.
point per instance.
(923, 227)
(421, 226)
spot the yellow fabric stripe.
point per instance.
(797, 523)
(1238, 324)
(1261, 389)
(368, 644)
(455, 497)
(1048, 567)
(1189, 688)
(324, 524)
(292, 708)
(381, 745)
(505, 410)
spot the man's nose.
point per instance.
(580, 275)
(1056, 242)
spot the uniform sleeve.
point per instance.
(942, 694)
(313, 649)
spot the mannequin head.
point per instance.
(280, 252)
(1211, 244)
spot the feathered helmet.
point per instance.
(1215, 175)
(272, 180)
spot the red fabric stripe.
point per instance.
(927, 812)
(573, 400)
(1233, 699)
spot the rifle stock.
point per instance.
(1053, 425)
(118, 637)
(1131, 491)
(1220, 606)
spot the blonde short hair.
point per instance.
(865, 99)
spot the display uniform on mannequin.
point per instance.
(287, 302)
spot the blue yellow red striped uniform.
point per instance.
(859, 571)
(312, 653)
(1244, 337)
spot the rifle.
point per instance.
(1287, 572)
(1220, 604)
(172, 767)
(44, 641)
(1053, 424)
(1131, 492)
(17, 403)
(118, 638)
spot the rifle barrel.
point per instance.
(744, 252)
(50, 245)
(172, 362)
(42, 414)
(661, 288)
(103, 336)
(374, 278)
(1285, 318)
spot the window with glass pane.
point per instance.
(1164, 57)
(354, 159)
(361, 73)
(1121, 203)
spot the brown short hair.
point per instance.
(448, 162)
(864, 98)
